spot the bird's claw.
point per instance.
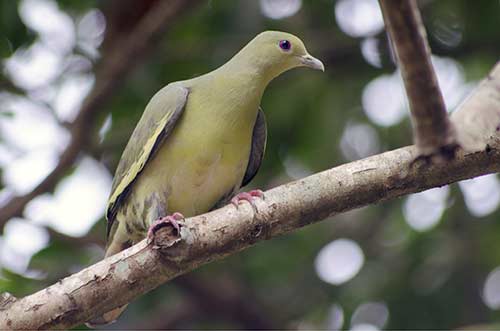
(164, 221)
(247, 196)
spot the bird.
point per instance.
(197, 143)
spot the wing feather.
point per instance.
(156, 124)
(259, 139)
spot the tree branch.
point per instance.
(123, 277)
(224, 297)
(432, 130)
(119, 61)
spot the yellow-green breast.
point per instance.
(206, 156)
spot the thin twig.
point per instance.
(433, 132)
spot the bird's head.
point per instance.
(274, 52)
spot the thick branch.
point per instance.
(433, 132)
(123, 277)
(114, 66)
(224, 297)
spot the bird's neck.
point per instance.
(245, 82)
(242, 93)
(252, 67)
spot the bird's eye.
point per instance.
(285, 45)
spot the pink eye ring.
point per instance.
(285, 45)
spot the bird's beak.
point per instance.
(312, 62)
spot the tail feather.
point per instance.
(111, 316)
(107, 318)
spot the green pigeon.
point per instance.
(197, 143)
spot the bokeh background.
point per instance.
(428, 261)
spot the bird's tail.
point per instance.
(107, 318)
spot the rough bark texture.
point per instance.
(123, 277)
(432, 130)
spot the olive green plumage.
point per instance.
(198, 141)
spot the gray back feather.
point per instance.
(155, 125)
(259, 139)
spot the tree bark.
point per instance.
(432, 131)
(123, 277)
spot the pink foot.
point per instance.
(247, 196)
(165, 221)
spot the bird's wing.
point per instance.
(156, 124)
(259, 138)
